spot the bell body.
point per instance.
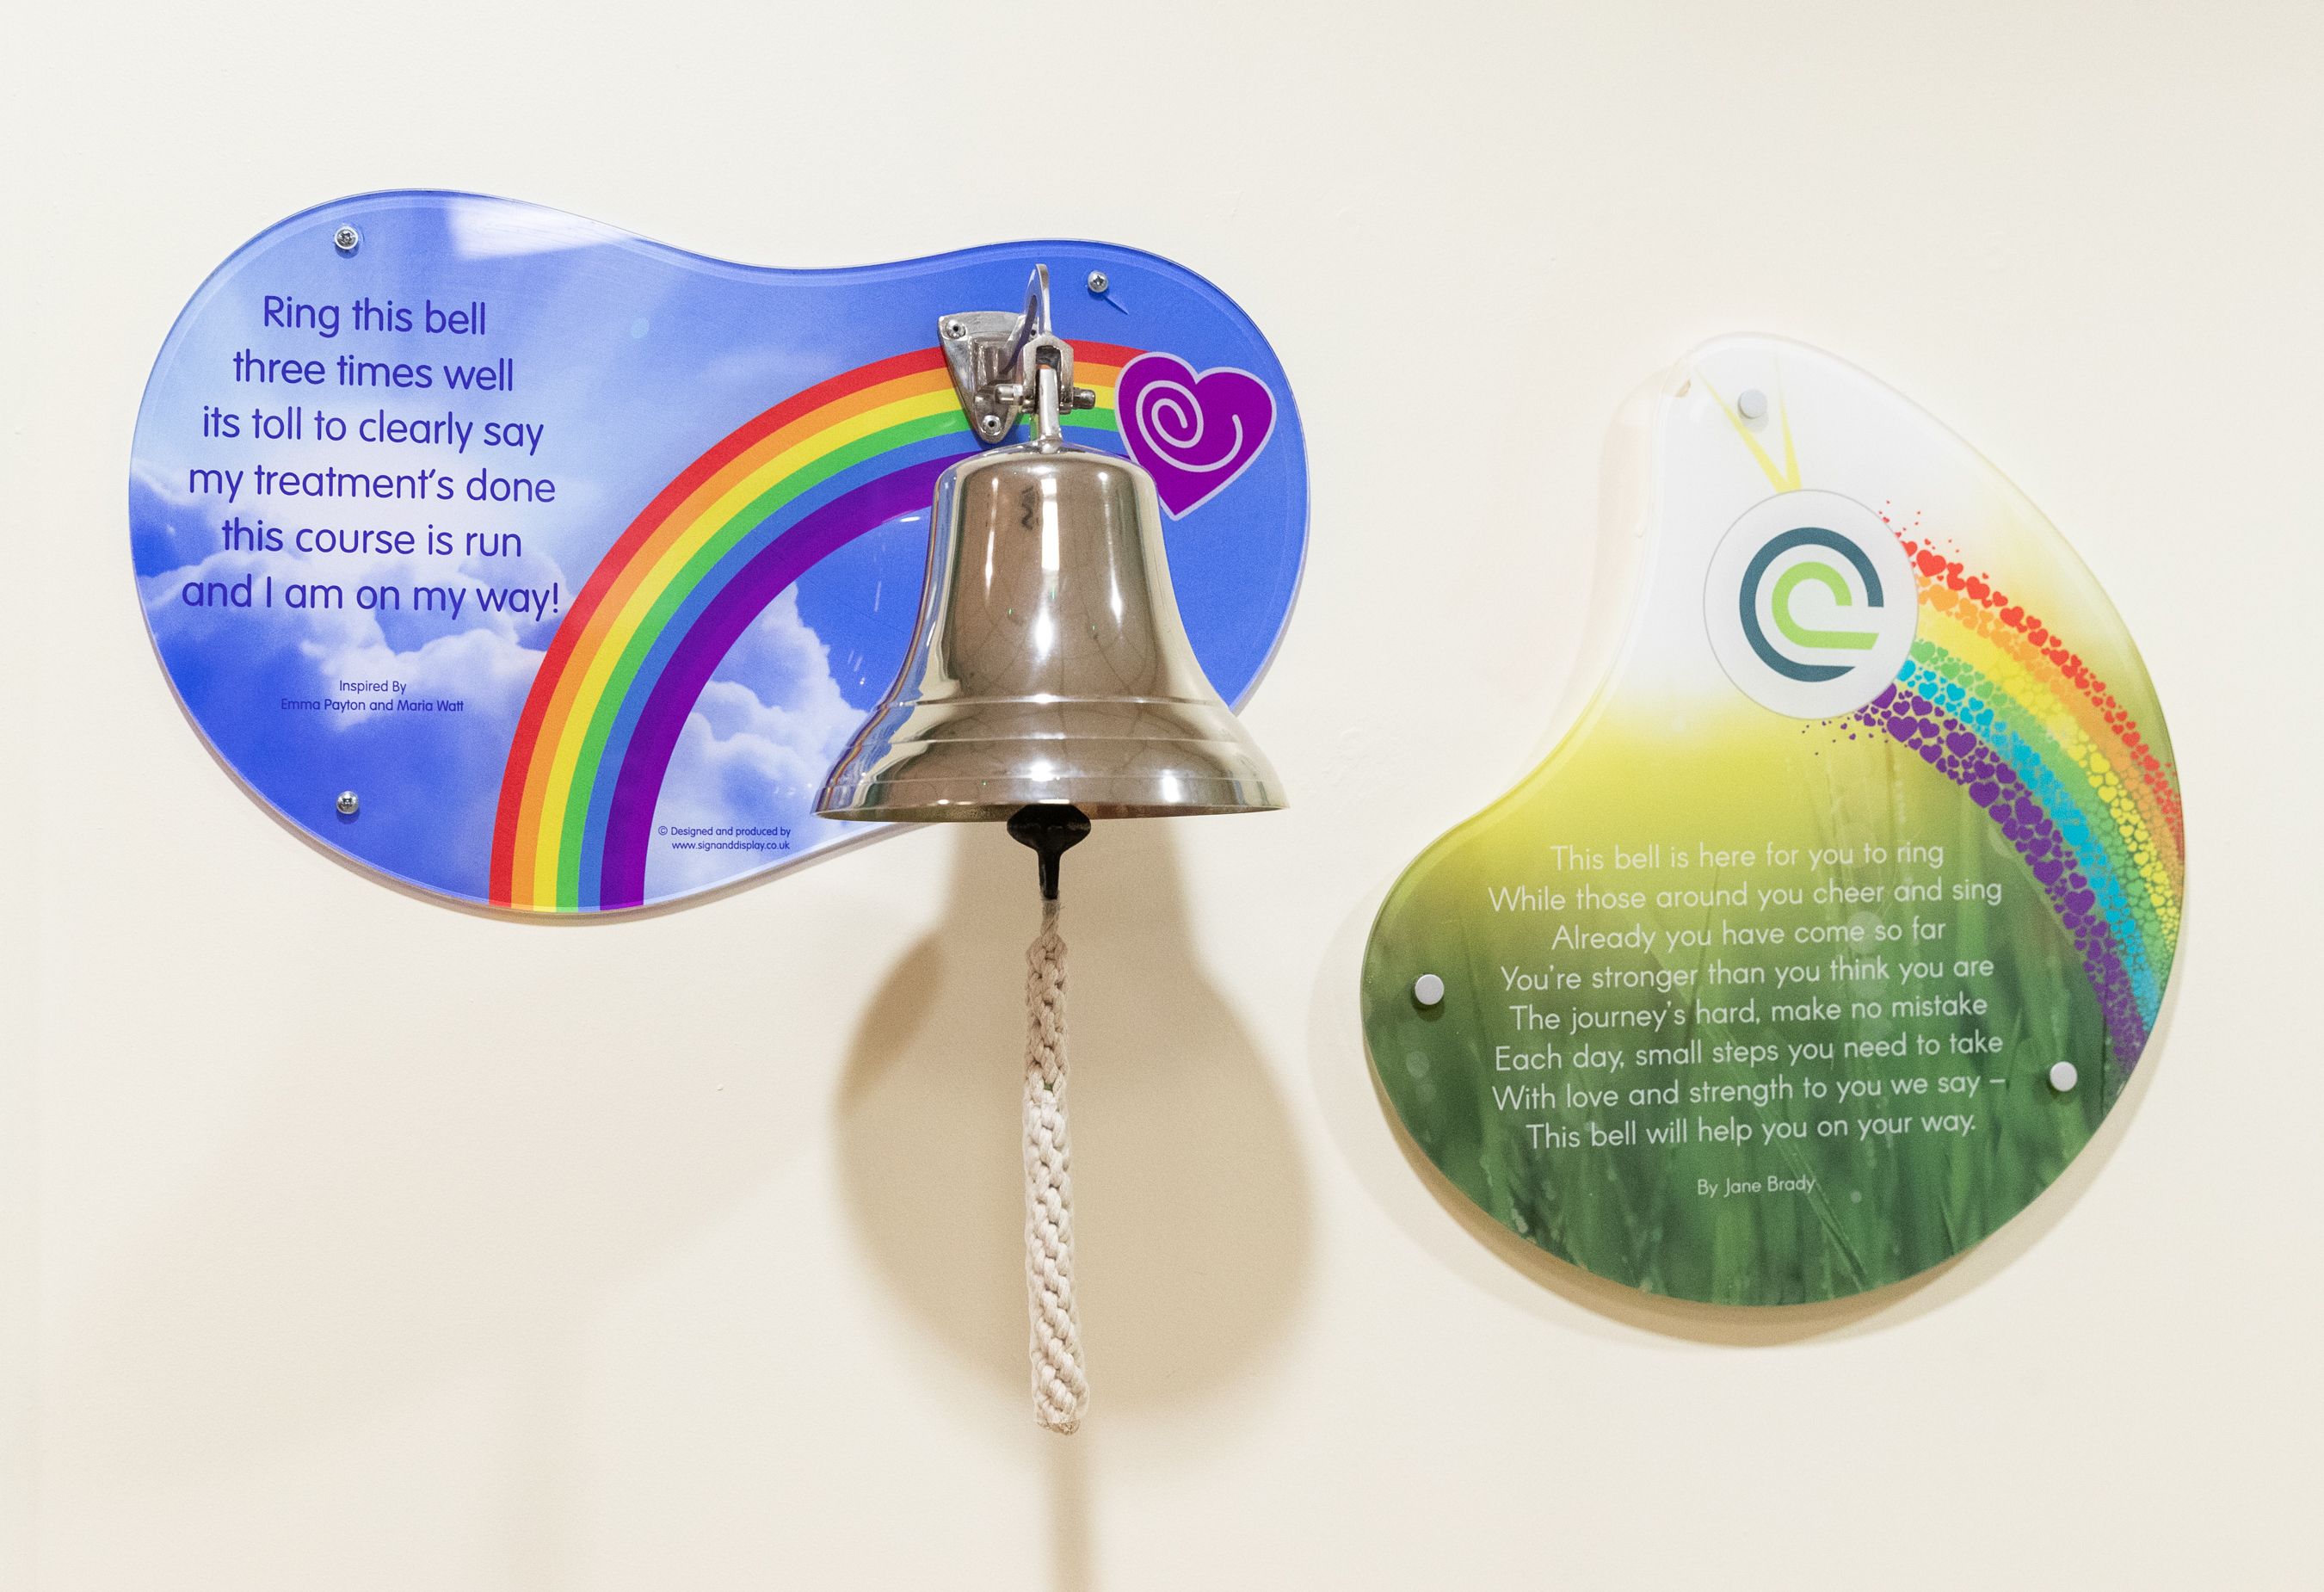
(1050, 663)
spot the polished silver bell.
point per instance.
(1050, 664)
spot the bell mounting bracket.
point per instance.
(1002, 361)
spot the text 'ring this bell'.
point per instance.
(1050, 666)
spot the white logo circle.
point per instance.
(1811, 605)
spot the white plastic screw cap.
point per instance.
(1428, 989)
(1752, 405)
(2063, 1077)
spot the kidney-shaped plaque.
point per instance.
(1836, 926)
(537, 565)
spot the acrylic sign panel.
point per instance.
(1835, 928)
(577, 559)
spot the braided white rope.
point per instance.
(1060, 1385)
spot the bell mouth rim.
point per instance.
(986, 812)
(983, 795)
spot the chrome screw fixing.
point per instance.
(1097, 281)
(348, 805)
(346, 240)
(955, 329)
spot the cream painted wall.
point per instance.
(350, 1242)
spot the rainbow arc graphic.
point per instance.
(1997, 701)
(713, 549)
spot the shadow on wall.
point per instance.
(1191, 1220)
(404, 1208)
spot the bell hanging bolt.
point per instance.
(1084, 397)
(989, 425)
(346, 240)
(1098, 283)
(955, 329)
(349, 805)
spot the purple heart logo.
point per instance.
(1193, 434)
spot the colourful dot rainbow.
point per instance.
(728, 536)
(1999, 704)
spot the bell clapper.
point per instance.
(1060, 1381)
(1051, 828)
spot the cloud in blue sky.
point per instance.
(752, 755)
(256, 673)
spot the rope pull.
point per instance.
(1060, 1381)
